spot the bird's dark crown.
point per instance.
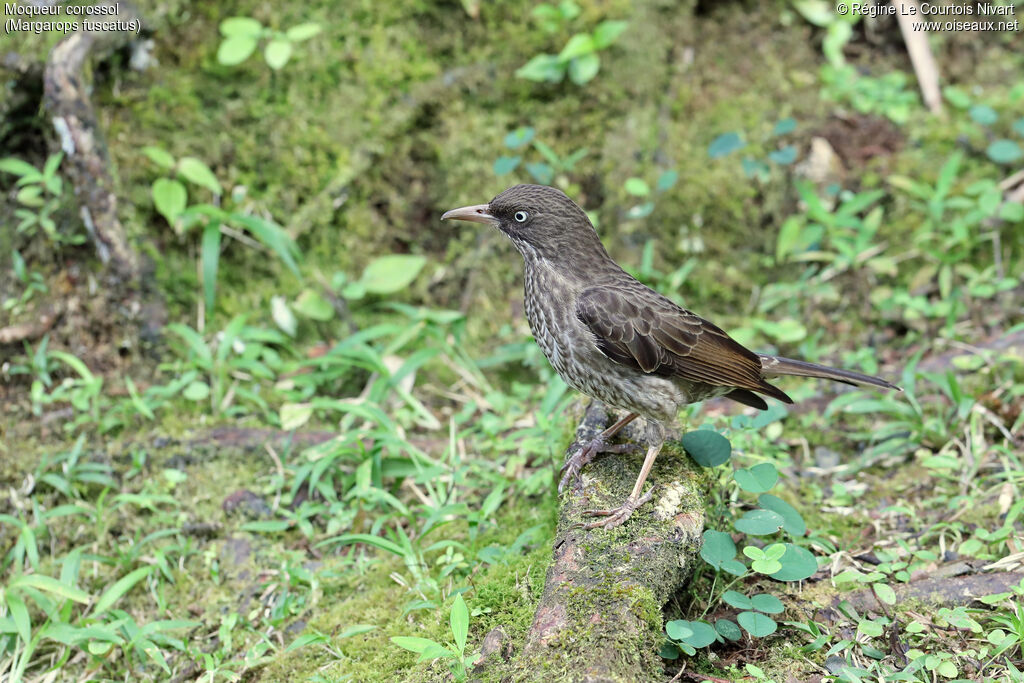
(542, 218)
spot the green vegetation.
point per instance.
(338, 441)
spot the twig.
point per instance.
(921, 57)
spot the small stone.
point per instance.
(496, 641)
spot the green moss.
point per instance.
(504, 594)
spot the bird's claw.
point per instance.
(585, 453)
(615, 517)
(574, 463)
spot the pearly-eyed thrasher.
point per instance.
(617, 340)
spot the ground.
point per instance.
(209, 537)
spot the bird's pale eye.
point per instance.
(521, 216)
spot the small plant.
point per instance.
(40, 197)
(579, 58)
(838, 27)
(32, 280)
(429, 650)
(785, 155)
(638, 187)
(782, 561)
(242, 35)
(889, 95)
(170, 195)
(170, 198)
(544, 172)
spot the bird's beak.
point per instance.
(474, 214)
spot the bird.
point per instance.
(616, 340)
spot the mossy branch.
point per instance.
(599, 618)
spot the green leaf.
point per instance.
(583, 69)
(1018, 126)
(737, 600)
(267, 526)
(542, 68)
(240, 26)
(703, 634)
(519, 137)
(678, 629)
(195, 171)
(20, 616)
(569, 9)
(707, 447)
(120, 587)
(759, 522)
(235, 50)
(728, 630)
(459, 621)
(49, 584)
(1012, 212)
(637, 187)
(1004, 151)
(784, 126)
(758, 478)
(817, 12)
(301, 32)
(792, 522)
(718, 547)
(18, 167)
(312, 305)
(983, 114)
(724, 144)
(282, 315)
(667, 179)
(870, 628)
(734, 567)
(159, 156)
(388, 274)
(607, 32)
(797, 564)
(766, 602)
(196, 391)
(579, 45)
(505, 165)
(272, 236)
(789, 234)
(956, 97)
(369, 539)
(541, 172)
(277, 53)
(757, 624)
(355, 630)
(784, 156)
(170, 198)
(294, 415)
(412, 643)
(885, 593)
(210, 257)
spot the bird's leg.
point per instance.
(613, 518)
(586, 452)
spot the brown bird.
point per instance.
(617, 340)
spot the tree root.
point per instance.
(87, 162)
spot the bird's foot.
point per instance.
(617, 516)
(584, 454)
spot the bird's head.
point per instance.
(540, 220)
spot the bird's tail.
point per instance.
(774, 366)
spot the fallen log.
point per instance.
(599, 617)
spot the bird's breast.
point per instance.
(571, 348)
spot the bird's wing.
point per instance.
(638, 327)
